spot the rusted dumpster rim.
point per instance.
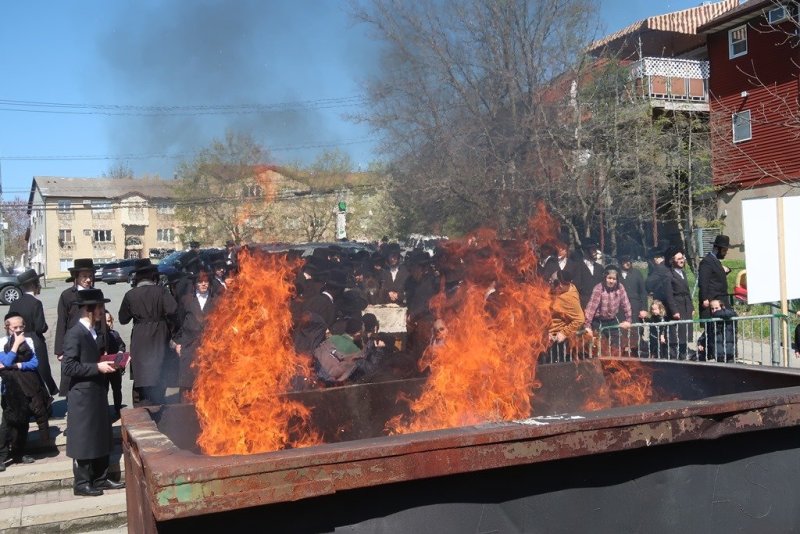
(184, 482)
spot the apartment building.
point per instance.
(102, 219)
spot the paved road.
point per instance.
(49, 298)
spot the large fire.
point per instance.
(246, 361)
(483, 369)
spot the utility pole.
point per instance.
(3, 224)
(341, 220)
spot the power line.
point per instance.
(102, 157)
(32, 106)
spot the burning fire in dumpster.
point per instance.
(484, 370)
(246, 361)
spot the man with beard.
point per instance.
(192, 313)
(393, 278)
(633, 283)
(82, 278)
(712, 276)
(32, 312)
(88, 418)
(588, 272)
(151, 308)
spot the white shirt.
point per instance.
(589, 265)
(202, 298)
(86, 322)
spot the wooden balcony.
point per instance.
(672, 83)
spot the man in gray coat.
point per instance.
(88, 419)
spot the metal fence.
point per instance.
(754, 339)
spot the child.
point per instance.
(719, 339)
(115, 344)
(658, 334)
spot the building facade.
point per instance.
(755, 111)
(103, 219)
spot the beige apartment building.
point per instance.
(100, 218)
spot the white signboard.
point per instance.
(760, 225)
(391, 317)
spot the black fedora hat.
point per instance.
(82, 264)
(90, 296)
(722, 241)
(28, 276)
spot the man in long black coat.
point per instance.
(32, 312)
(633, 282)
(712, 276)
(587, 272)
(151, 308)
(193, 309)
(82, 278)
(678, 304)
(88, 419)
(392, 278)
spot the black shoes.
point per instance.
(109, 485)
(87, 491)
(24, 460)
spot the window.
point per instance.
(777, 14)
(165, 234)
(102, 236)
(64, 206)
(737, 41)
(741, 126)
(165, 209)
(101, 206)
(64, 264)
(64, 237)
(253, 191)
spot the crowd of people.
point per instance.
(332, 325)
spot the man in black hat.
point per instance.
(231, 262)
(712, 276)
(588, 272)
(88, 418)
(32, 312)
(633, 282)
(152, 309)
(218, 281)
(392, 277)
(81, 274)
(325, 302)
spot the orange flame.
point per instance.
(246, 361)
(626, 383)
(497, 322)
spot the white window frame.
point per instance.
(99, 236)
(782, 10)
(165, 235)
(64, 264)
(101, 206)
(731, 32)
(749, 122)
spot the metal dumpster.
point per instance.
(717, 450)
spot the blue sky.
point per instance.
(301, 61)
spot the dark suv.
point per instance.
(177, 260)
(9, 289)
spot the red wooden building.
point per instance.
(754, 57)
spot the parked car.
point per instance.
(177, 260)
(118, 271)
(9, 289)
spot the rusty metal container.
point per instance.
(718, 450)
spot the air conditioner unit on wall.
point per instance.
(777, 14)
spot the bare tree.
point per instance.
(16, 217)
(225, 187)
(119, 170)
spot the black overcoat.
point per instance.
(151, 307)
(88, 420)
(192, 320)
(32, 312)
(712, 282)
(679, 300)
(637, 294)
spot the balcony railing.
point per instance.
(683, 80)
